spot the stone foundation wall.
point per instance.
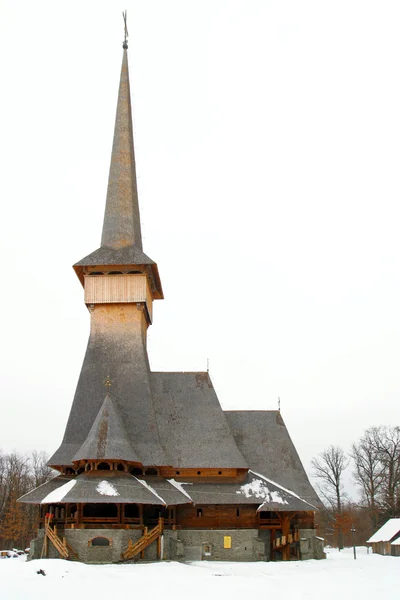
(191, 544)
(183, 545)
(311, 546)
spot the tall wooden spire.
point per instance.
(121, 241)
(121, 226)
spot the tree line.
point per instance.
(375, 468)
(20, 473)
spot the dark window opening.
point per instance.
(134, 272)
(96, 273)
(151, 472)
(172, 513)
(98, 511)
(120, 467)
(115, 273)
(267, 514)
(131, 511)
(198, 472)
(219, 472)
(79, 471)
(177, 472)
(100, 541)
(199, 512)
(238, 512)
(103, 467)
(136, 471)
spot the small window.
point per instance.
(238, 512)
(198, 472)
(219, 472)
(103, 467)
(115, 273)
(177, 472)
(120, 467)
(100, 541)
(151, 472)
(199, 512)
(96, 273)
(136, 471)
(134, 272)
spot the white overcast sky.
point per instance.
(267, 148)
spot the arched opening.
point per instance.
(100, 541)
(103, 466)
(136, 471)
(120, 467)
(131, 511)
(151, 471)
(115, 273)
(71, 511)
(134, 272)
(94, 273)
(100, 511)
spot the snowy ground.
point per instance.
(340, 576)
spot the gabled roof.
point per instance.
(193, 428)
(107, 438)
(264, 441)
(387, 532)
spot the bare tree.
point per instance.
(18, 474)
(387, 445)
(328, 469)
(369, 473)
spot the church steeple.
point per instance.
(121, 226)
(121, 241)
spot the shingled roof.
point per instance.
(255, 489)
(107, 438)
(193, 427)
(264, 441)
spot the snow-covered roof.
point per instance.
(386, 532)
(396, 542)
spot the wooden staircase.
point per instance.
(62, 546)
(148, 538)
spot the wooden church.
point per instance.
(150, 466)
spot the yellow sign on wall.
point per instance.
(227, 541)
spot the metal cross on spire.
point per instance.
(125, 16)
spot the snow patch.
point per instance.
(259, 489)
(105, 488)
(179, 486)
(58, 494)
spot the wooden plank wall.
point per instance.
(216, 517)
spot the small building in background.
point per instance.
(386, 540)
